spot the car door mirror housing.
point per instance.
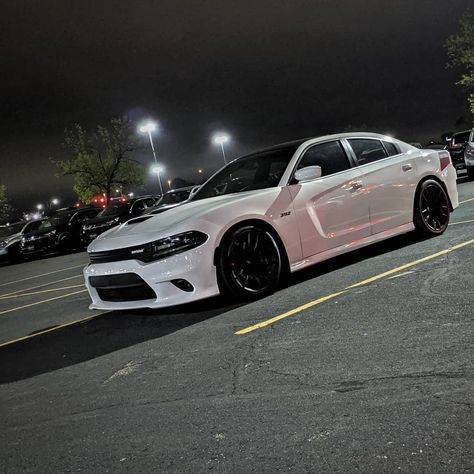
(308, 173)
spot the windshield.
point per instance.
(54, 221)
(114, 210)
(258, 171)
(11, 229)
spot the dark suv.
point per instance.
(59, 232)
(115, 213)
(456, 147)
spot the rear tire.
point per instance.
(431, 213)
(250, 263)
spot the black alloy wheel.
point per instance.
(431, 208)
(250, 263)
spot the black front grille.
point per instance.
(123, 287)
(139, 252)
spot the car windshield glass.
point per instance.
(174, 197)
(258, 171)
(10, 229)
(461, 137)
(54, 221)
(114, 210)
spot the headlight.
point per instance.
(176, 243)
(3, 243)
(470, 151)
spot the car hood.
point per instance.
(148, 227)
(11, 238)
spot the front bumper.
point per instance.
(195, 266)
(37, 246)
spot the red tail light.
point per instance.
(444, 159)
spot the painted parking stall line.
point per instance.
(41, 275)
(41, 302)
(55, 328)
(367, 281)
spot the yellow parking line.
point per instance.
(39, 286)
(410, 264)
(288, 313)
(355, 285)
(7, 297)
(55, 328)
(41, 302)
(41, 275)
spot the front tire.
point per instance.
(250, 263)
(431, 214)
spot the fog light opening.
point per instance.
(183, 285)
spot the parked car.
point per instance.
(469, 155)
(59, 232)
(456, 147)
(171, 199)
(117, 212)
(270, 213)
(10, 238)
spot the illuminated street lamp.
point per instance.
(54, 201)
(169, 183)
(220, 139)
(39, 207)
(147, 128)
(158, 169)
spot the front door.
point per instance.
(333, 210)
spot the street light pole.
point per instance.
(151, 143)
(220, 139)
(147, 128)
(223, 153)
(157, 169)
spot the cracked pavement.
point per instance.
(378, 379)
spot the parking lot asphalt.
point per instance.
(360, 364)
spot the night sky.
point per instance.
(265, 71)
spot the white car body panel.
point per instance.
(315, 220)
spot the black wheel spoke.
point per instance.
(253, 260)
(434, 208)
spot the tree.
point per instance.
(5, 208)
(460, 49)
(101, 160)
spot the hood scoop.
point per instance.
(137, 220)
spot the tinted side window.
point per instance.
(367, 151)
(330, 156)
(391, 148)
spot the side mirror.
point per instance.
(308, 173)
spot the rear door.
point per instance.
(390, 178)
(332, 210)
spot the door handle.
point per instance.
(407, 167)
(355, 185)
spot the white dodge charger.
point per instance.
(270, 213)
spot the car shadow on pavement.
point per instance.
(117, 330)
(101, 335)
